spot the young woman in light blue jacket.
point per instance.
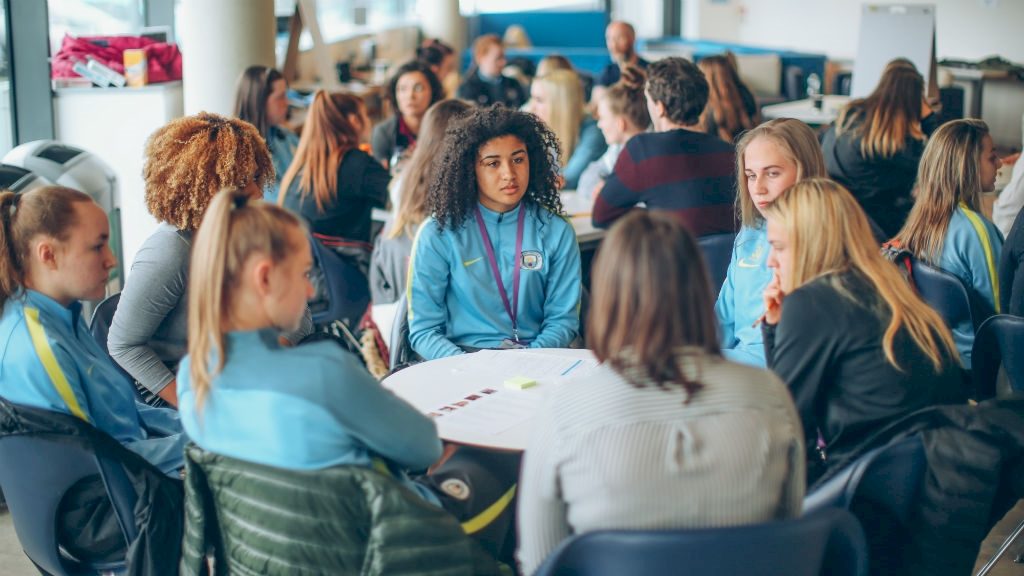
(769, 159)
(946, 228)
(496, 265)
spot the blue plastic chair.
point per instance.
(717, 251)
(46, 469)
(881, 488)
(829, 542)
(346, 287)
(889, 475)
(999, 342)
(945, 293)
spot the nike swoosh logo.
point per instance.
(471, 262)
(744, 264)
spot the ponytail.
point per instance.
(233, 229)
(47, 211)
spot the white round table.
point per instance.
(469, 401)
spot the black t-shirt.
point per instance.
(362, 186)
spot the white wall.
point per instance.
(966, 29)
(114, 124)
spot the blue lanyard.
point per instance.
(513, 309)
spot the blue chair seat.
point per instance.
(829, 542)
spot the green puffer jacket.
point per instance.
(343, 520)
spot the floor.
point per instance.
(14, 563)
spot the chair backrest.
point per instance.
(400, 351)
(99, 326)
(888, 476)
(47, 467)
(999, 342)
(717, 251)
(829, 542)
(346, 287)
(942, 291)
(338, 520)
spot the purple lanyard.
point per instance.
(512, 310)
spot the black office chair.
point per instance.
(48, 467)
(829, 542)
(881, 489)
(342, 287)
(999, 342)
(100, 323)
(717, 251)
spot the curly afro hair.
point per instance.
(192, 158)
(454, 193)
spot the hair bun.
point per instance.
(633, 78)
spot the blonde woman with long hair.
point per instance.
(238, 392)
(769, 159)
(855, 344)
(664, 422)
(731, 108)
(874, 147)
(557, 99)
(946, 228)
(332, 183)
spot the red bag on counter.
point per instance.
(164, 60)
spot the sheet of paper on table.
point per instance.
(493, 408)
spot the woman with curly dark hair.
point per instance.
(187, 162)
(496, 266)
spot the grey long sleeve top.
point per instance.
(150, 329)
(605, 455)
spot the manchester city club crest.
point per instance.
(532, 260)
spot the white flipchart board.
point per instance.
(889, 31)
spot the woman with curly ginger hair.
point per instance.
(496, 266)
(187, 162)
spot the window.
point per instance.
(469, 7)
(93, 18)
(342, 19)
(6, 116)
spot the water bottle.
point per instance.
(814, 90)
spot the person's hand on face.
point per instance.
(773, 296)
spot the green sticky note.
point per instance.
(520, 383)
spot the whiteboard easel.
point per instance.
(890, 31)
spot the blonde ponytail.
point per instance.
(234, 228)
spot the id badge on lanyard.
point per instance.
(512, 309)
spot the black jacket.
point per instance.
(882, 186)
(506, 91)
(158, 511)
(974, 475)
(827, 347)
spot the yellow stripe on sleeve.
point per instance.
(42, 345)
(986, 245)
